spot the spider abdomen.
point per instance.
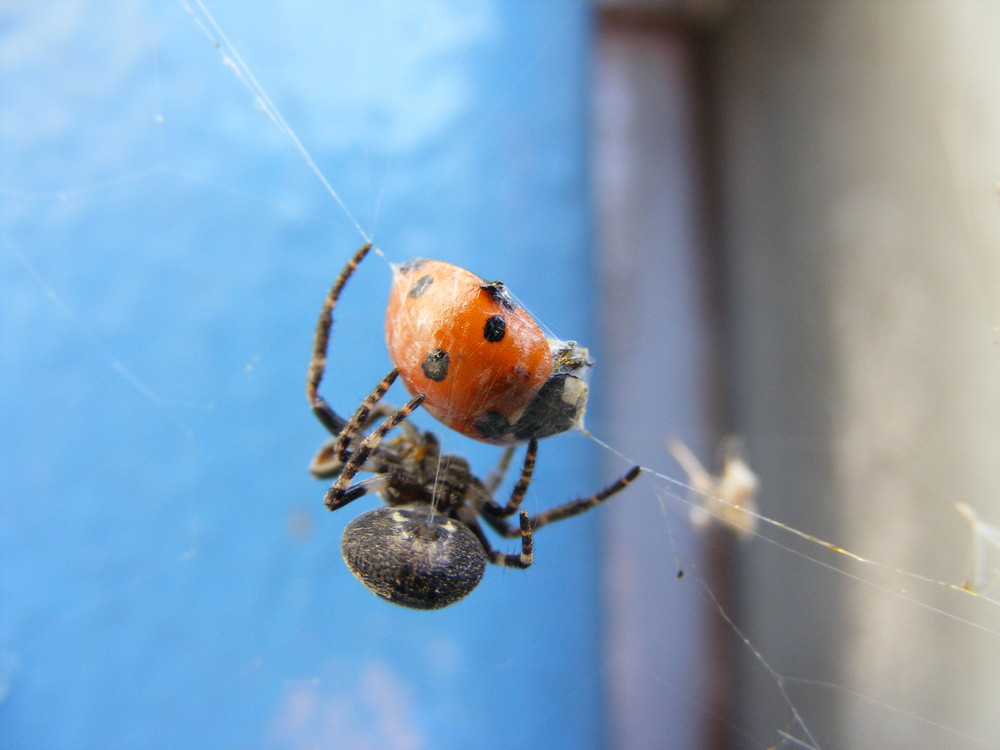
(412, 556)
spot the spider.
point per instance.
(425, 548)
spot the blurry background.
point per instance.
(778, 220)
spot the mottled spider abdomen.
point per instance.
(488, 370)
(412, 556)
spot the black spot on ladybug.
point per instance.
(435, 365)
(420, 286)
(498, 292)
(494, 329)
(412, 265)
(492, 425)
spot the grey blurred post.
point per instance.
(859, 154)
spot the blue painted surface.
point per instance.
(170, 578)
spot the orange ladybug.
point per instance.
(487, 369)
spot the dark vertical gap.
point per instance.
(721, 552)
(719, 561)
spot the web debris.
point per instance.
(729, 498)
(985, 551)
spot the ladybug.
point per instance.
(487, 369)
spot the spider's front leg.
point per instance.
(361, 418)
(321, 341)
(341, 493)
(329, 460)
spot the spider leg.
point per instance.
(341, 493)
(317, 365)
(523, 560)
(491, 508)
(328, 461)
(576, 507)
(566, 510)
(375, 483)
(333, 454)
(360, 419)
(327, 464)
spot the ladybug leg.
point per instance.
(522, 560)
(341, 492)
(317, 365)
(495, 477)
